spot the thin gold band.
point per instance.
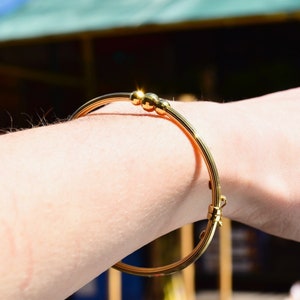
(151, 102)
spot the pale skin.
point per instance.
(77, 197)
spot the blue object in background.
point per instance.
(133, 287)
(8, 6)
(95, 290)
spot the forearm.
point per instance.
(77, 197)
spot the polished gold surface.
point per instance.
(151, 102)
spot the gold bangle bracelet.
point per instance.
(151, 102)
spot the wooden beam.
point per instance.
(280, 17)
(187, 245)
(114, 284)
(43, 76)
(225, 261)
(89, 67)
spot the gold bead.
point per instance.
(136, 97)
(161, 107)
(150, 101)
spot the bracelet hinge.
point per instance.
(215, 212)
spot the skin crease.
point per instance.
(77, 197)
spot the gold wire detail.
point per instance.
(151, 102)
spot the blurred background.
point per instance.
(55, 55)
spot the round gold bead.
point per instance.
(136, 97)
(150, 102)
(161, 108)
